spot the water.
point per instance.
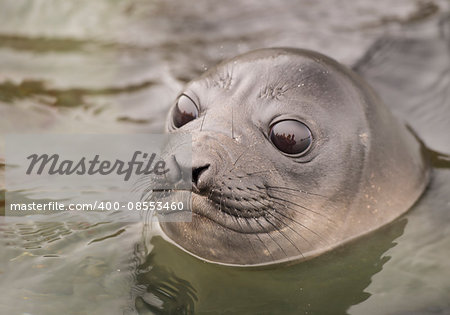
(110, 66)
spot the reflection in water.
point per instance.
(412, 282)
(164, 292)
(329, 284)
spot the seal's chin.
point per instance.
(220, 237)
(212, 242)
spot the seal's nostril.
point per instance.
(196, 172)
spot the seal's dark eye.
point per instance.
(185, 110)
(291, 136)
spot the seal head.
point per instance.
(293, 154)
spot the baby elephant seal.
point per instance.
(293, 154)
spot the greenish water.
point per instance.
(110, 66)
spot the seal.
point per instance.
(293, 154)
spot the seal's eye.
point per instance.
(185, 110)
(291, 136)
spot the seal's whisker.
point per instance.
(275, 229)
(264, 244)
(149, 190)
(271, 237)
(146, 193)
(287, 225)
(291, 228)
(302, 225)
(287, 188)
(145, 186)
(237, 217)
(203, 121)
(247, 236)
(260, 240)
(256, 234)
(294, 209)
(291, 194)
(260, 172)
(234, 164)
(148, 216)
(283, 234)
(232, 124)
(141, 181)
(329, 223)
(296, 190)
(300, 206)
(243, 153)
(275, 211)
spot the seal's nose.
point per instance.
(196, 165)
(181, 169)
(198, 174)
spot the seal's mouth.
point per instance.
(230, 213)
(233, 218)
